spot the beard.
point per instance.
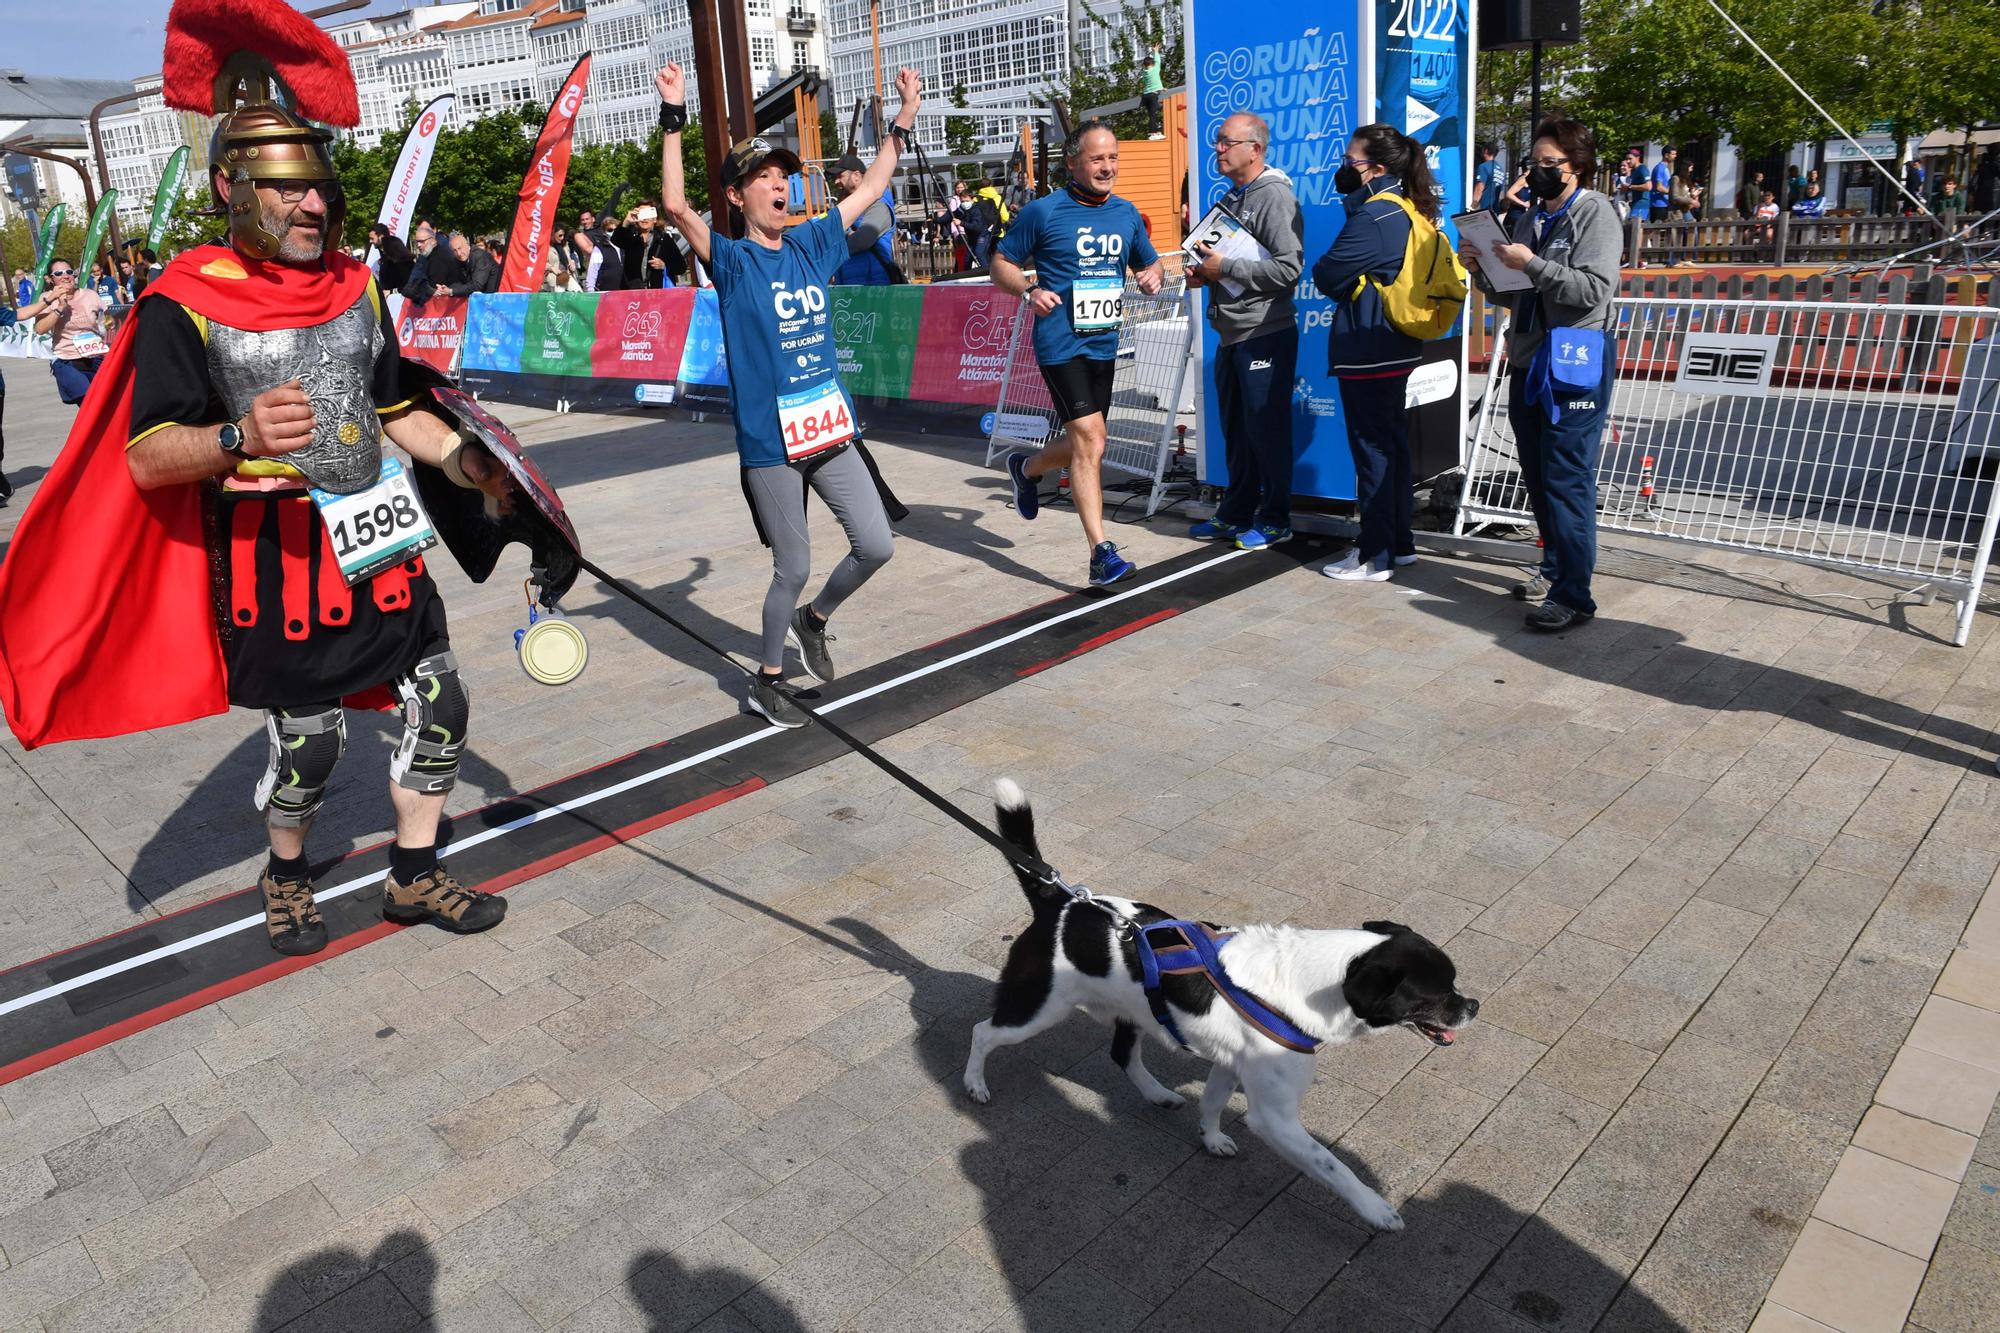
(296, 245)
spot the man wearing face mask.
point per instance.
(1563, 354)
(223, 526)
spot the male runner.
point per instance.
(222, 527)
(1080, 241)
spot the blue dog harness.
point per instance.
(1188, 947)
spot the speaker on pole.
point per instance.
(1513, 25)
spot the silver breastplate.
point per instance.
(334, 362)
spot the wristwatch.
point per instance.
(230, 440)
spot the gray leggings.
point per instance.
(779, 494)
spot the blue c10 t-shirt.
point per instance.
(777, 329)
(1080, 252)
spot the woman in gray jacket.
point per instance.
(1562, 349)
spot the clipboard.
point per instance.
(1223, 232)
(1483, 229)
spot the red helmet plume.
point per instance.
(204, 36)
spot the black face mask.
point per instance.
(1348, 179)
(1546, 182)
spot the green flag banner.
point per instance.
(93, 236)
(45, 249)
(163, 198)
(558, 333)
(875, 338)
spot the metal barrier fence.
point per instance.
(1150, 390)
(1858, 437)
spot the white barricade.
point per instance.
(1151, 387)
(1848, 435)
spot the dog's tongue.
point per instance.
(1447, 1035)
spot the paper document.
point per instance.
(1221, 231)
(1481, 229)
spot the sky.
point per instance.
(98, 39)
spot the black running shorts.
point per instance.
(1080, 387)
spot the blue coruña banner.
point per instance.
(1316, 71)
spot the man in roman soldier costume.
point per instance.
(223, 526)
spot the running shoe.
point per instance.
(1214, 530)
(1403, 561)
(1536, 589)
(1353, 569)
(1107, 566)
(812, 645)
(1261, 537)
(1551, 617)
(767, 696)
(1027, 500)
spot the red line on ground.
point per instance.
(1109, 636)
(282, 967)
(997, 620)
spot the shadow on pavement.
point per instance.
(1658, 661)
(339, 1288)
(675, 1296)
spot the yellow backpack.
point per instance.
(1425, 299)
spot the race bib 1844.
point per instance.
(376, 528)
(814, 419)
(1096, 304)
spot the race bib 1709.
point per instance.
(814, 419)
(376, 528)
(1096, 304)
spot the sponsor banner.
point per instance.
(1735, 364)
(703, 360)
(45, 248)
(875, 335)
(640, 334)
(163, 198)
(21, 340)
(494, 329)
(963, 342)
(542, 186)
(413, 164)
(93, 237)
(431, 331)
(558, 332)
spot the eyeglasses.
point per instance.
(61, 272)
(1550, 162)
(293, 191)
(1223, 143)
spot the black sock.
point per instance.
(815, 620)
(289, 867)
(410, 864)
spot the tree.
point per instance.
(961, 136)
(1124, 77)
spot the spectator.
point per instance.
(446, 268)
(1683, 205)
(601, 267)
(127, 280)
(980, 223)
(105, 285)
(1562, 348)
(1257, 326)
(1638, 186)
(1019, 196)
(74, 317)
(1149, 93)
(1767, 213)
(422, 285)
(481, 273)
(1795, 187)
(1914, 180)
(871, 256)
(149, 267)
(651, 259)
(1948, 199)
(1751, 195)
(392, 258)
(1813, 205)
(1371, 357)
(24, 287)
(1487, 178)
(993, 211)
(1659, 198)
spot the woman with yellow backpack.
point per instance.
(1395, 283)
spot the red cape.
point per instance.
(107, 622)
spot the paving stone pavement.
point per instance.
(1702, 861)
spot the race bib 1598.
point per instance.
(376, 528)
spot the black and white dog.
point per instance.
(1335, 985)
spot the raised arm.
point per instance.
(672, 85)
(876, 180)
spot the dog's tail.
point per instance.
(1017, 826)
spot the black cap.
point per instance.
(849, 162)
(747, 157)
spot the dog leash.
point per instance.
(1042, 871)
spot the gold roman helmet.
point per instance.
(282, 70)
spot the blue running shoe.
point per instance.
(1214, 530)
(1107, 566)
(1027, 500)
(1261, 537)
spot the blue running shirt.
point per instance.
(1080, 252)
(777, 329)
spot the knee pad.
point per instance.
(305, 746)
(436, 709)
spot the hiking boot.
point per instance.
(1536, 589)
(438, 898)
(291, 915)
(812, 645)
(767, 696)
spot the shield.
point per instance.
(475, 536)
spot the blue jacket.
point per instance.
(1362, 341)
